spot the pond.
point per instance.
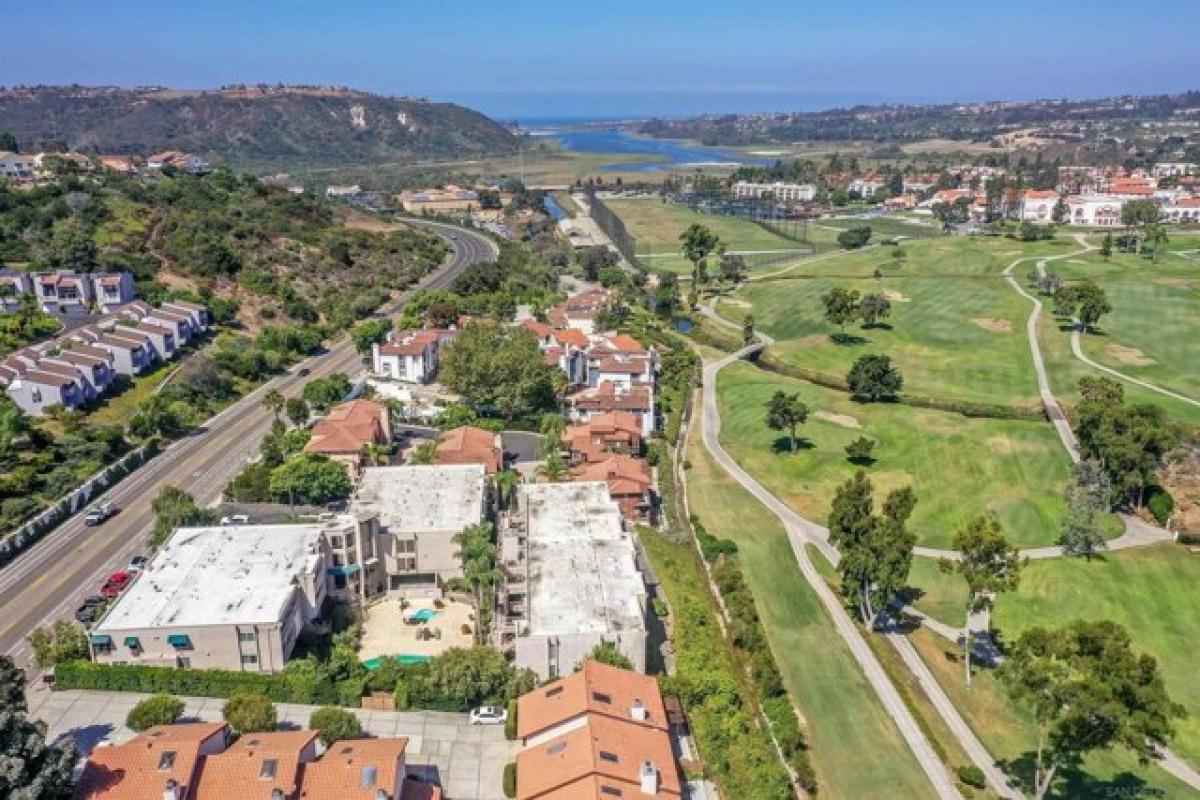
(666, 154)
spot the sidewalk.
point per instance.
(468, 761)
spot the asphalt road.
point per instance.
(51, 579)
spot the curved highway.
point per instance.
(49, 580)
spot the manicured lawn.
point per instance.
(1153, 331)
(1008, 734)
(956, 330)
(1151, 591)
(841, 709)
(959, 466)
(941, 596)
(657, 225)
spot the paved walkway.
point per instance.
(800, 533)
(468, 761)
(1077, 349)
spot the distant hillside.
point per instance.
(251, 125)
(1070, 121)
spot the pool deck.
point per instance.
(386, 634)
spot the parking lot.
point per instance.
(467, 761)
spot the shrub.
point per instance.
(466, 629)
(400, 697)
(510, 722)
(972, 775)
(333, 724)
(1191, 539)
(161, 709)
(661, 610)
(1161, 504)
(510, 779)
(250, 713)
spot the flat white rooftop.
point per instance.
(223, 575)
(423, 499)
(583, 574)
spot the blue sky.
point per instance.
(539, 58)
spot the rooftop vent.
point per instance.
(637, 711)
(649, 777)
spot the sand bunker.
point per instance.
(992, 324)
(845, 420)
(896, 297)
(1130, 355)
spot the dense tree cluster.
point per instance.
(498, 370)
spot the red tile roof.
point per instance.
(348, 428)
(469, 445)
(596, 689)
(571, 336)
(140, 768)
(244, 770)
(354, 768)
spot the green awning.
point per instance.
(101, 640)
(132, 642)
(179, 640)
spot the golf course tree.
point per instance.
(855, 237)
(1085, 301)
(697, 243)
(748, 329)
(1140, 216)
(785, 412)
(860, 451)
(666, 295)
(1058, 215)
(989, 565)
(1087, 690)
(1088, 497)
(876, 549)
(30, 767)
(841, 307)
(1129, 441)
(873, 308)
(873, 378)
(732, 268)
(1106, 247)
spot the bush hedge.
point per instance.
(510, 779)
(1161, 504)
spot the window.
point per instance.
(249, 660)
(601, 697)
(556, 748)
(611, 758)
(246, 636)
(557, 690)
(268, 768)
(166, 760)
(184, 662)
(611, 791)
(335, 541)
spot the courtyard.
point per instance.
(394, 627)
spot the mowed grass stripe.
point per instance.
(841, 710)
(959, 466)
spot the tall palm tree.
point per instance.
(506, 486)
(554, 470)
(273, 401)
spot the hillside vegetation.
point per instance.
(249, 125)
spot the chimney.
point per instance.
(649, 776)
(277, 794)
(172, 790)
(637, 711)
(381, 794)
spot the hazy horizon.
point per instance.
(621, 59)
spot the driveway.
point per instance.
(467, 761)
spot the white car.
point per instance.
(488, 715)
(236, 519)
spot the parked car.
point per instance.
(236, 519)
(138, 563)
(115, 584)
(488, 715)
(86, 614)
(98, 513)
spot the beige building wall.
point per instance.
(551, 656)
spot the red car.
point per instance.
(115, 583)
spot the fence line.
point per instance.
(32, 531)
(613, 227)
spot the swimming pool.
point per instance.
(421, 615)
(374, 663)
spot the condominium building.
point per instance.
(777, 191)
(572, 580)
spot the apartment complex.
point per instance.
(229, 597)
(202, 761)
(82, 364)
(778, 191)
(446, 200)
(66, 292)
(571, 579)
(599, 732)
(421, 509)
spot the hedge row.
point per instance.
(169, 680)
(710, 546)
(750, 640)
